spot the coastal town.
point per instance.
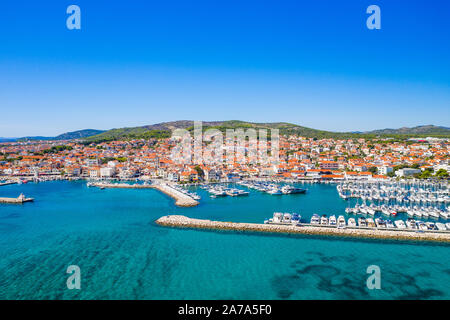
(300, 158)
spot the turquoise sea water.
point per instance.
(111, 235)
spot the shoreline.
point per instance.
(121, 186)
(191, 223)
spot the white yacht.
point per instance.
(440, 226)
(275, 191)
(332, 220)
(315, 219)
(390, 224)
(351, 222)
(422, 226)
(362, 222)
(370, 223)
(400, 224)
(324, 220)
(380, 223)
(430, 225)
(277, 217)
(411, 224)
(341, 222)
(287, 218)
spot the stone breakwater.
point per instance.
(18, 200)
(185, 222)
(181, 199)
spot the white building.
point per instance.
(384, 170)
(407, 172)
(107, 172)
(173, 177)
(94, 173)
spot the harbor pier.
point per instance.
(6, 183)
(19, 200)
(185, 222)
(181, 199)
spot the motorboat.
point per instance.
(341, 222)
(362, 222)
(400, 224)
(351, 222)
(332, 220)
(315, 219)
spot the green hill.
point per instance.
(419, 130)
(164, 130)
(78, 134)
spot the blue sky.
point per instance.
(313, 63)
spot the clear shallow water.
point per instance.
(122, 254)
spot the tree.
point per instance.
(372, 170)
(442, 173)
(200, 171)
(425, 175)
(391, 174)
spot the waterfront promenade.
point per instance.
(122, 185)
(185, 222)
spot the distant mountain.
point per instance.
(164, 130)
(7, 139)
(80, 134)
(419, 130)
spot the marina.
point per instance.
(415, 199)
(223, 191)
(379, 223)
(272, 188)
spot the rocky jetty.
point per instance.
(185, 222)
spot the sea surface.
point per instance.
(111, 235)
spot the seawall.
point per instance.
(15, 200)
(185, 222)
(181, 199)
